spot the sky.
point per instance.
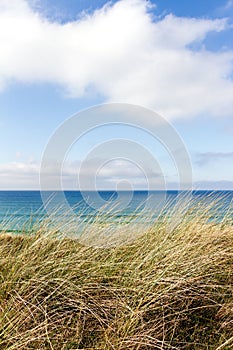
(58, 58)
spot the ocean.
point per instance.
(23, 208)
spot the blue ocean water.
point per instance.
(18, 208)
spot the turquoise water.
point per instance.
(19, 208)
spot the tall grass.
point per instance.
(170, 288)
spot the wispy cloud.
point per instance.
(229, 4)
(225, 9)
(122, 53)
(208, 157)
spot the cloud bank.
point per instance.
(25, 174)
(122, 53)
(116, 175)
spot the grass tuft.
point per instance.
(171, 288)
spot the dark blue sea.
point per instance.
(18, 208)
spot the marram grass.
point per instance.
(170, 288)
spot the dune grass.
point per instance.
(171, 288)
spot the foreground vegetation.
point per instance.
(171, 288)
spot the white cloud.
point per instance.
(121, 52)
(25, 174)
(114, 175)
(19, 175)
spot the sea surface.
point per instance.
(18, 208)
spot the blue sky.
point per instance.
(60, 57)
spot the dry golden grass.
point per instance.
(171, 288)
